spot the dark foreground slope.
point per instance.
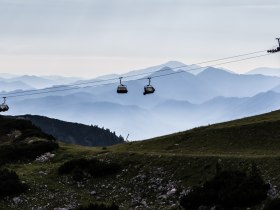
(152, 174)
(17, 130)
(20, 140)
(75, 133)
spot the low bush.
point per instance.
(228, 189)
(98, 207)
(95, 168)
(10, 184)
(9, 124)
(23, 151)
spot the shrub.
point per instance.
(10, 184)
(79, 167)
(228, 189)
(16, 146)
(23, 151)
(8, 124)
(98, 207)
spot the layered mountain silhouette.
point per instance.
(266, 71)
(182, 100)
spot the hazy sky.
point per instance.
(94, 37)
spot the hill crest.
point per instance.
(75, 133)
(257, 135)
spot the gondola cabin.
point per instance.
(149, 89)
(4, 107)
(122, 89)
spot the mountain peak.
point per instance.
(177, 66)
(163, 71)
(174, 64)
(214, 71)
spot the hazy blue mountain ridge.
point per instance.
(182, 100)
(8, 86)
(266, 71)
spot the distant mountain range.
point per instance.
(25, 82)
(182, 99)
(266, 71)
(13, 85)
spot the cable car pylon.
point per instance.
(277, 49)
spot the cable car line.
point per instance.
(78, 87)
(12, 95)
(59, 86)
(177, 72)
(209, 61)
(148, 89)
(135, 75)
(226, 58)
(140, 74)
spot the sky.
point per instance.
(88, 38)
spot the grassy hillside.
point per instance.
(258, 135)
(153, 173)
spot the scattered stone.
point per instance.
(93, 192)
(43, 173)
(172, 191)
(45, 157)
(144, 203)
(164, 197)
(17, 200)
(272, 192)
